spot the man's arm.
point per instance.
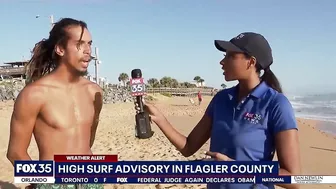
(97, 94)
(26, 108)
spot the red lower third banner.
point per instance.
(86, 158)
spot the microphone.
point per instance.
(143, 128)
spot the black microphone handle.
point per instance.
(139, 101)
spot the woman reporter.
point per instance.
(248, 122)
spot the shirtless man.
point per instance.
(59, 106)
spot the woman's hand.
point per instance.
(218, 156)
(154, 113)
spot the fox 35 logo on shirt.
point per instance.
(252, 118)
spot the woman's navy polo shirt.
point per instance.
(245, 131)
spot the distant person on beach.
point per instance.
(191, 101)
(199, 96)
(249, 122)
(58, 105)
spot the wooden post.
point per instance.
(96, 64)
(52, 21)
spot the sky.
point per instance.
(176, 38)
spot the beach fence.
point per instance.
(167, 91)
(185, 92)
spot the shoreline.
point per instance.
(323, 126)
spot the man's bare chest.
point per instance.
(68, 111)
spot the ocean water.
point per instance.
(318, 107)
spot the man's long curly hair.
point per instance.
(44, 59)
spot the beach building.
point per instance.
(12, 70)
(198, 84)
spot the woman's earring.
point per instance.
(262, 72)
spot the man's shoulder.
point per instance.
(96, 92)
(32, 92)
(35, 88)
(93, 88)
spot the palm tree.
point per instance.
(124, 78)
(196, 79)
(223, 85)
(201, 81)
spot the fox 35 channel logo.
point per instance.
(31, 168)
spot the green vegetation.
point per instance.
(199, 80)
(149, 98)
(165, 81)
(167, 94)
(170, 82)
(123, 77)
(6, 83)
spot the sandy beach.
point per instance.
(115, 135)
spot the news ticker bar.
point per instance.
(308, 179)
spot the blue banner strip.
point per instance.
(167, 168)
(145, 168)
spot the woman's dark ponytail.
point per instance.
(268, 76)
(271, 80)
